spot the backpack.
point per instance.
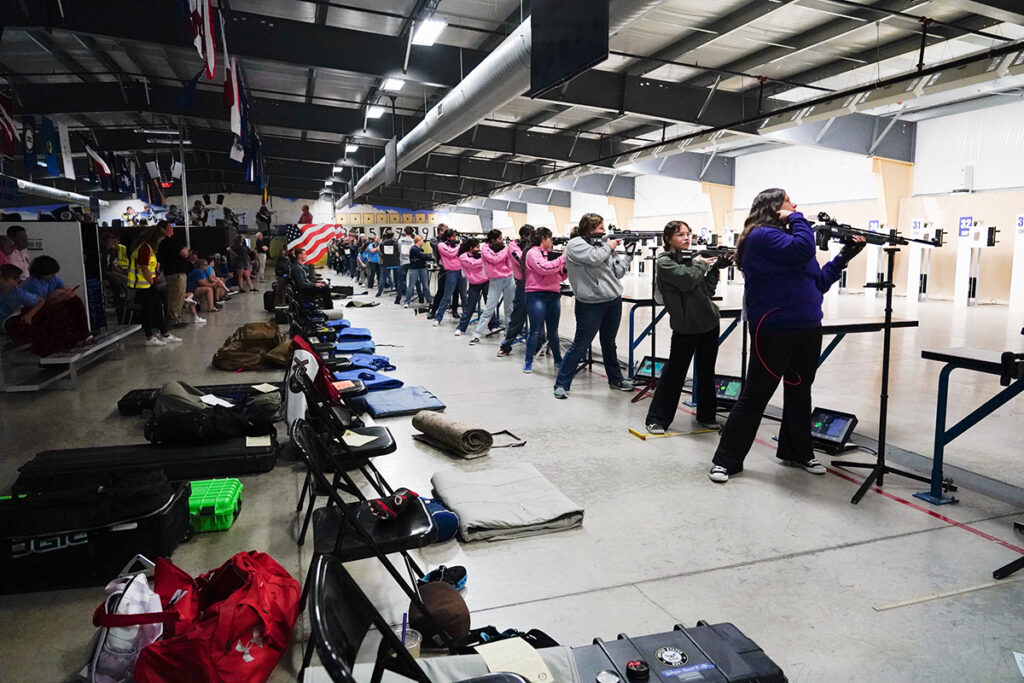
(253, 346)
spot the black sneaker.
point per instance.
(454, 576)
(812, 465)
(502, 353)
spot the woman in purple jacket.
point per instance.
(783, 287)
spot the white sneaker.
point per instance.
(437, 323)
(407, 306)
(200, 320)
(812, 465)
(655, 428)
(171, 339)
(458, 333)
(154, 341)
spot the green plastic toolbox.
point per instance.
(214, 504)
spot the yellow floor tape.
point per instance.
(643, 436)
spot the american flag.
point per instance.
(313, 238)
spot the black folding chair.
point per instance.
(341, 616)
(350, 532)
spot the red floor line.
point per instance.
(914, 506)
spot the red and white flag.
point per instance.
(313, 238)
(236, 103)
(102, 167)
(200, 23)
(8, 133)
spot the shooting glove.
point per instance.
(851, 249)
(722, 262)
(497, 246)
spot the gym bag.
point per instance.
(231, 624)
(253, 346)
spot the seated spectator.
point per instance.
(43, 280)
(6, 249)
(283, 263)
(19, 256)
(301, 280)
(49, 325)
(202, 287)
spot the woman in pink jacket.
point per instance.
(501, 286)
(472, 264)
(543, 296)
(448, 250)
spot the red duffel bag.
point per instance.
(230, 625)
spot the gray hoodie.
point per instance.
(594, 272)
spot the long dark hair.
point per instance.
(764, 210)
(538, 236)
(467, 245)
(671, 228)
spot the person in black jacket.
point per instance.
(301, 281)
(419, 276)
(686, 284)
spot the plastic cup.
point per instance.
(413, 640)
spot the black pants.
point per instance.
(670, 386)
(151, 303)
(516, 321)
(792, 354)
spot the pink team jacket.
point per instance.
(543, 275)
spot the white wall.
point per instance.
(991, 140)
(503, 222)
(581, 203)
(539, 215)
(661, 196)
(808, 174)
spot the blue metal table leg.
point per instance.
(830, 348)
(934, 494)
(728, 330)
(632, 325)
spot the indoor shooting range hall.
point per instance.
(505, 341)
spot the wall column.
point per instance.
(623, 211)
(721, 202)
(895, 180)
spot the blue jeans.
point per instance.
(419, 280)
(592, 319)
(473, 295)
(385, 281)
(499, 289)
(454, 281)
(543, 309)
(400, 275)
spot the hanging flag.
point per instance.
(8, 132)
(153, 168)
(200, 27)
(176, 169)
(236, 98)
(237, 153)
(65, 149)
(312, 237)
(124, 176)
(28, 142)
(187, 94)
(100, 164)
(50, 145)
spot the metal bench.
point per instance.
(25, 372)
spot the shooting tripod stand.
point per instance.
(880, 468)
(650, 384)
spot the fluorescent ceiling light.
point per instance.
(428, 31)
(375, 112)
(156, 131)
(158, 141)
(351, 148)
(336, 169)
(393, 84)
(328, 183)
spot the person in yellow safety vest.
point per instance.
(143, 270)
(122, 257)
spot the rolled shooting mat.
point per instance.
(460, 437)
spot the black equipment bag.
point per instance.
(85, 536)
(61, 469)
(137, 401)
(269, 300)
(181, 416)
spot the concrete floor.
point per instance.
(890, 589)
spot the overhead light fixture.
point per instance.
(349, 149)
(428, 31)
(156, 131)
(328, 183)
(393, 85)
(336, 169)
(157, 141)
(375, 112)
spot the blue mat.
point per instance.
(354, 334)
(338, 324)
(365, 346)
(374, 381)
(369, 361)
(395, 402)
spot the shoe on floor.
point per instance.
(718, 474)
(407, 305)
(812, 465)
(502, 353)
(561, 392)
(171, 339)
(622, 385)
(528, 367)
(437, 323)
(654, 428)
(458, 333)
(200, 320)
(474, 341)
(708, 425)
(155, 341)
